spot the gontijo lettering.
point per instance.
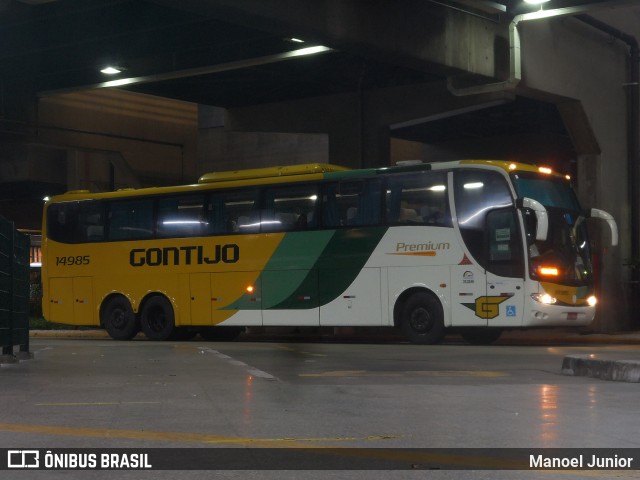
(188, 255)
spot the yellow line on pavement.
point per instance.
(338, 373)
(80, 404)
(420, 373)
(176, 436)
(295, 350)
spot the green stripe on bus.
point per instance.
(289, 278)
(336, 267)
(328, 262)
(343, 259)
(299, 250)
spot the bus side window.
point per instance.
(418, 198)
(289, 208)
(181, 216)
(239, 210)
(131, 219)
(477, 192)
(352, 203)
(62, 222)
(92, 220)
(215, 223)
(330, 213)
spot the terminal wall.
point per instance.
(564, 57)
(117, 139)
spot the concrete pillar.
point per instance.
(567, 58)
(337, 117)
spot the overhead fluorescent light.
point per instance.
(206, 70)
(536, 2)
(111, 70)
(309, 51)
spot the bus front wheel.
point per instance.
(157, 318)
(118, 319)
(422, 320)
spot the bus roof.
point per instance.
(290, 173)
(259, 173)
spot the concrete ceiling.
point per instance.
(206, 52)
(175, 50)
(216, 53)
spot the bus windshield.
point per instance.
(564, 257)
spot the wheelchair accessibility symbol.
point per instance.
(511, 310)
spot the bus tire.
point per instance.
(422, 320)
(157, 318)
(481, 336)
(118, 319)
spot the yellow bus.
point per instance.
(478, 246)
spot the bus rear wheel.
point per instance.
(422, 320)
(157, 318)
(118, 319)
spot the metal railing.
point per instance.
(14, 293)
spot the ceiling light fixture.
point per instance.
(296, 40)
(205, 70)
(536, 2)
(111, 70)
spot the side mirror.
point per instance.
(607, 217)
(541, 216)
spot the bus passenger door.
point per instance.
(236, 298)
(505, 265)
(200, 298)
(468, 293)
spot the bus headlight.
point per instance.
(592, 300)
(543, 298)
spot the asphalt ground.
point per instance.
(614, 366)
(280, 388)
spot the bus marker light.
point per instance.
(546, 170)
(548, 271)
(250, 289)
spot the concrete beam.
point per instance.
(358, 125)
(416, 34)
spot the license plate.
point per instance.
(572, 316)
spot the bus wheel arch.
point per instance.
(419, 314)
(118, 318)
(157, 317)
